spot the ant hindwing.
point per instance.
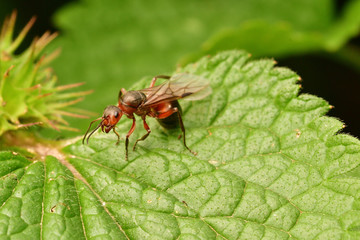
(159, 102)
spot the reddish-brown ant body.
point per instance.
(159, 102)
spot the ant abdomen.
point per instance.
(171, 122)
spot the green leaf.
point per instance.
(21, 212)
(262, 38)
(269, 165)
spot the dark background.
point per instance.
(332, 80)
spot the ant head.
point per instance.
(111, 116)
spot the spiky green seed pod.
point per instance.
(28, 94)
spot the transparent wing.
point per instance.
(182, 85)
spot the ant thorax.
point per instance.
(133, 99)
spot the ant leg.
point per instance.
(122, 92)
(183, 130)
(117, 134)
(158, 76)
(167, 114)
(127, 137)
(147, 128)
(117, 142)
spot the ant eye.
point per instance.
(116, 114)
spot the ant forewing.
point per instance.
(159, 102)
(179, 86)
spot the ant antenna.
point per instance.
(87, 140)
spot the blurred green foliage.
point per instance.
(111, 44)
(283, 37)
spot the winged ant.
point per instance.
(160, 102)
